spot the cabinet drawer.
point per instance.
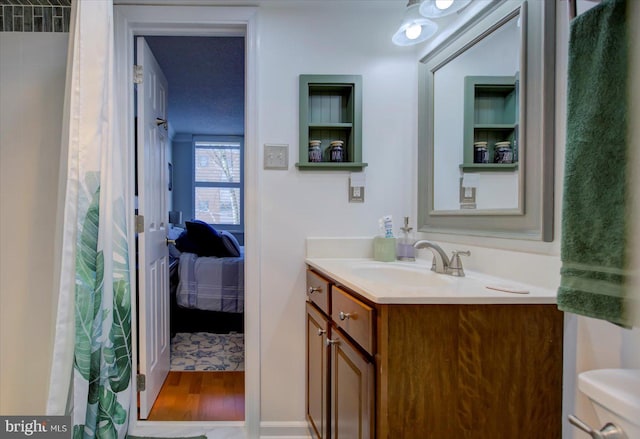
(354, 317)
(318, 290)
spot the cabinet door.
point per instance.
(352, 391)
(317, 403)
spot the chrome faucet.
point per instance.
(441, 263)
(440, 260)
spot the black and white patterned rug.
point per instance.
(204, 351)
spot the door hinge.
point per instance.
(141, 383)
(137, 74)
(139, 223)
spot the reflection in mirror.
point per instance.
(486, 126)
(480, 83)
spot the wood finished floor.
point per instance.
(200, 396)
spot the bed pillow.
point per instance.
(203, 239)
(230, 243)
(185, 244)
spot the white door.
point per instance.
(153, 257)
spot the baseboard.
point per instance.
(284, 430)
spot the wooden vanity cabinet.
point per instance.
(477, 371)
(340, 388)
(340, 383)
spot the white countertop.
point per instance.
(415, 283)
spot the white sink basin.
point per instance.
(400, 275)
(415, 283)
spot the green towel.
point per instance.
(594, 211)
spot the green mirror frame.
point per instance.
(533, 219)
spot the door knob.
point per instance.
(162, 122)
(171, 241)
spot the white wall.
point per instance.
(32, 75)
(306, 204)
(324, 38)
(296, 204)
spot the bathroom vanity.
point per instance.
(397, 351)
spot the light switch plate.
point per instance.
(356, 194)
(276, 156)
(467, 197)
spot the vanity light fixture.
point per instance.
(414, 28)
(441, 8)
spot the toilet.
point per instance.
(615, 395)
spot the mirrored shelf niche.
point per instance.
(490, 115)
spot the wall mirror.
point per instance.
(486, 126)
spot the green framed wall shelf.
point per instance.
(490, 115)
(331, 109)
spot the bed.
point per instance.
(211, 283)
(207, 281)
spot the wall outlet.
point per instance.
(356, 194)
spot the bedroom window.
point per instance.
(218, 181)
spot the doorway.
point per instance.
(205, 115)
(201, 21)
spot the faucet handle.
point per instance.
(456, 253)
(455, 264)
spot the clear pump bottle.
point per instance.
(405, 250)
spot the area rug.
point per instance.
(204, 351)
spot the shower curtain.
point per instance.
(91, 368)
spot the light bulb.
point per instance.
(413, 31)
(443, 4)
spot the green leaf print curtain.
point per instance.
(91, 368)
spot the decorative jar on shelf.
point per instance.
(480, 153)
(502, 152)
(336, 152)
(315, 153)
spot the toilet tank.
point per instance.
(615, 394)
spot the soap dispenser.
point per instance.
(405, 250)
